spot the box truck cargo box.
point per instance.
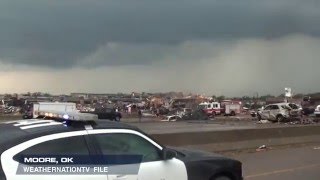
(53, 106)
(232, 109)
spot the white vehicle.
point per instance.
(279, 112)
(171, 118)
(232, 109)
(178, 115)
(184, 112)
(53, 106)
(317, 111)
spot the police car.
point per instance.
(83, 134)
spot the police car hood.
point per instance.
(191, 154)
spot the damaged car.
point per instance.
(187, 114)
(317, 111)
(279, 112)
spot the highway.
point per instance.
(203, 126)
(190, 126)
(279, 163)
(294, 163)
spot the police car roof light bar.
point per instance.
(70, 116)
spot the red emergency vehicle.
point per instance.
(211, 108)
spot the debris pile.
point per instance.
(262, 148)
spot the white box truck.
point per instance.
(232, 109)
(53, 106)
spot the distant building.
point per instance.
(91, 95)
(38, 99)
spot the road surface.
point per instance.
(191, 126)
(204, 126)
(295, 163)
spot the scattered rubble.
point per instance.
(262, 148)
(263, 122)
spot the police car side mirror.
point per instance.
(168, 154)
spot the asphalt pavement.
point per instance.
(153, 127)
(293, 163)
(190, 126)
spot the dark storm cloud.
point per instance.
(61, 33)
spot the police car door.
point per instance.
(124, 142)
(68, 143)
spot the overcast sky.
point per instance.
(228, 47)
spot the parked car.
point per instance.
(188, 114)
(279, 112)
(171, 118)
(107, 113)
(177, 115)
(197, 114)
(86, 141)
